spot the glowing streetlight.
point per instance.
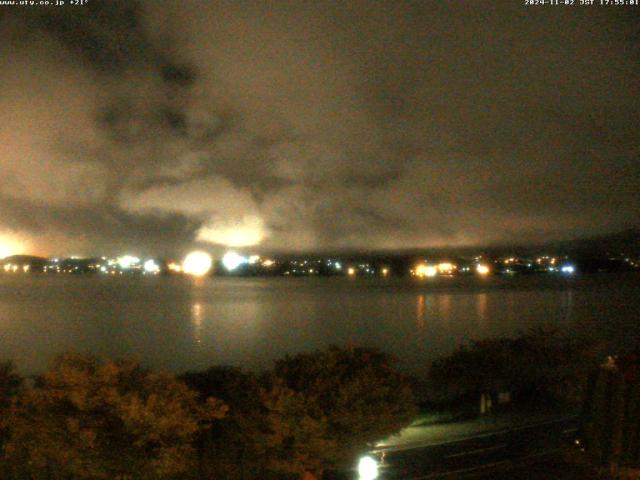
(197, 263)
(367, 468)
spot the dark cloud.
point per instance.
(158, 126)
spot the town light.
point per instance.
(446, 268)
(367, 468)
(174, 267)
(197, 263)
(482, 269)
(424, 270)
(150, 266)
(232, 260)
(127, 261)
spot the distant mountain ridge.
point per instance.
(23, 259)
(624, 242)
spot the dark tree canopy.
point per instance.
(326, 407)
(91, 419)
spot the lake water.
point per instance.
(182, 324)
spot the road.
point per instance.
(522, 449)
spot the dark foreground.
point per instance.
(552, 468)
(532, 450)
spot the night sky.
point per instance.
(154, 128)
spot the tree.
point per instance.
(91, 419)
(10, 383)
(235, 447)
(325, 408)
(542, 365)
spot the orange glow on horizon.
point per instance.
(12, 244)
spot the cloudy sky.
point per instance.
(163, 126)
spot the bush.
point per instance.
(90, 419)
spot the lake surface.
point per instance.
(183, 324)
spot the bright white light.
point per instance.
(127, 261)
(197, 263)
(367, 468)
(254, 259)
(482, 269)
(338, 266)
(568, 269)
(150, 266)
(232, 260)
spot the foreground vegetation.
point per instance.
(309, 417)
(542, 368)
(92, 419)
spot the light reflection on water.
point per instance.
(178, 324)
(420, 313)
(481, 307)
(196, 319)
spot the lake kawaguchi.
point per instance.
(181, 324)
